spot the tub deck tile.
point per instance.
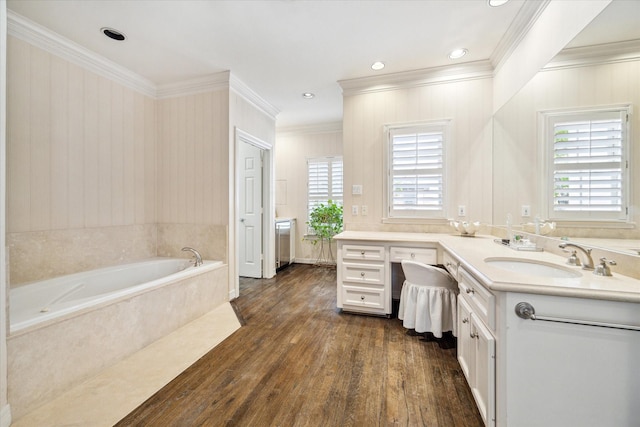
(106, 398)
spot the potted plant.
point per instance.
(325, 221)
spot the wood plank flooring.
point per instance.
(299, 361)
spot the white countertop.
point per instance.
(472, 251)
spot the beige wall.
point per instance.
(192, 159)
(518, 170)
(293, 148)
(468, 104)
(81, 167)
(81, 148)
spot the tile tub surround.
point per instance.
(38, 255)
(209, 240)
(106, 398)
(50, 360)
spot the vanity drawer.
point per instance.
(424, 255)
(363, 299)
(357, 252)
(481, 300)
(450, 264)
(363, 273)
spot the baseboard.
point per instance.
(5, 416)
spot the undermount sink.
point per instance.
(532, 267)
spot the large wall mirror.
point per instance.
(599, 68)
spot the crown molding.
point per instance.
(607, 53)
(252, 97)
(213, 82)
(520, 26)
(415, 78)
(43, 38)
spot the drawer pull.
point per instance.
(362, 297)
(413, 255)
(362, 253)
(471, 291)
(465, 320)
(474, 335)
(362, 273)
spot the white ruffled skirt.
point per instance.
(428, 309)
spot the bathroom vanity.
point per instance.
(575, 364)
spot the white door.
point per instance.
(250, 210)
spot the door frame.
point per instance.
(268, 215)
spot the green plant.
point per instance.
(326, 220)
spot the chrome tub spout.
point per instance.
(197, 258)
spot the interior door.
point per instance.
(250, 210)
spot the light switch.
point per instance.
(354, 210)
(356, 189)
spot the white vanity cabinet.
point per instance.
(476, 343)
(364, 271)
(578, 364)
(362, 284)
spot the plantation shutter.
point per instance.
(417, 171)
(324, 181)
(589, 165)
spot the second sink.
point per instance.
(532, 267)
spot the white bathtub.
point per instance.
(66, 329)
(42, 301)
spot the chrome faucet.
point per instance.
(196, 254)
(587, 261)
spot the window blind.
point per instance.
(588, 165)
(324, 181)
(417, 172)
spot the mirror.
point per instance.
(600, 67)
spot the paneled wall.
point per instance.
(193, 148)
(293, 148)
(518, 172)
(81, 148)
(468, 104)
(81, 167)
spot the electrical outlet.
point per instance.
(354, 210)
(365, 210)
(526, 211)
(462, 210)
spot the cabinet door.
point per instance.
(466, 344)
(483, 388)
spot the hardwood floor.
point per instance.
(299, 361)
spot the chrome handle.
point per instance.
(413, 255)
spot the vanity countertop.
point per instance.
(471, 252)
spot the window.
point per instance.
(324, 181)
(416, 171)
(587, 162)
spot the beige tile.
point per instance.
(106, 398)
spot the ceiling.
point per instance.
(281, 48)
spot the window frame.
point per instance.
(329, 160)
(417, 216)
(547, 119)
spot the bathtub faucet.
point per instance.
(196, 254)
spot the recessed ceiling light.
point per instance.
(496, 3)
(377, 65)
(308, 95)
(457, 54)
(113, 34)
